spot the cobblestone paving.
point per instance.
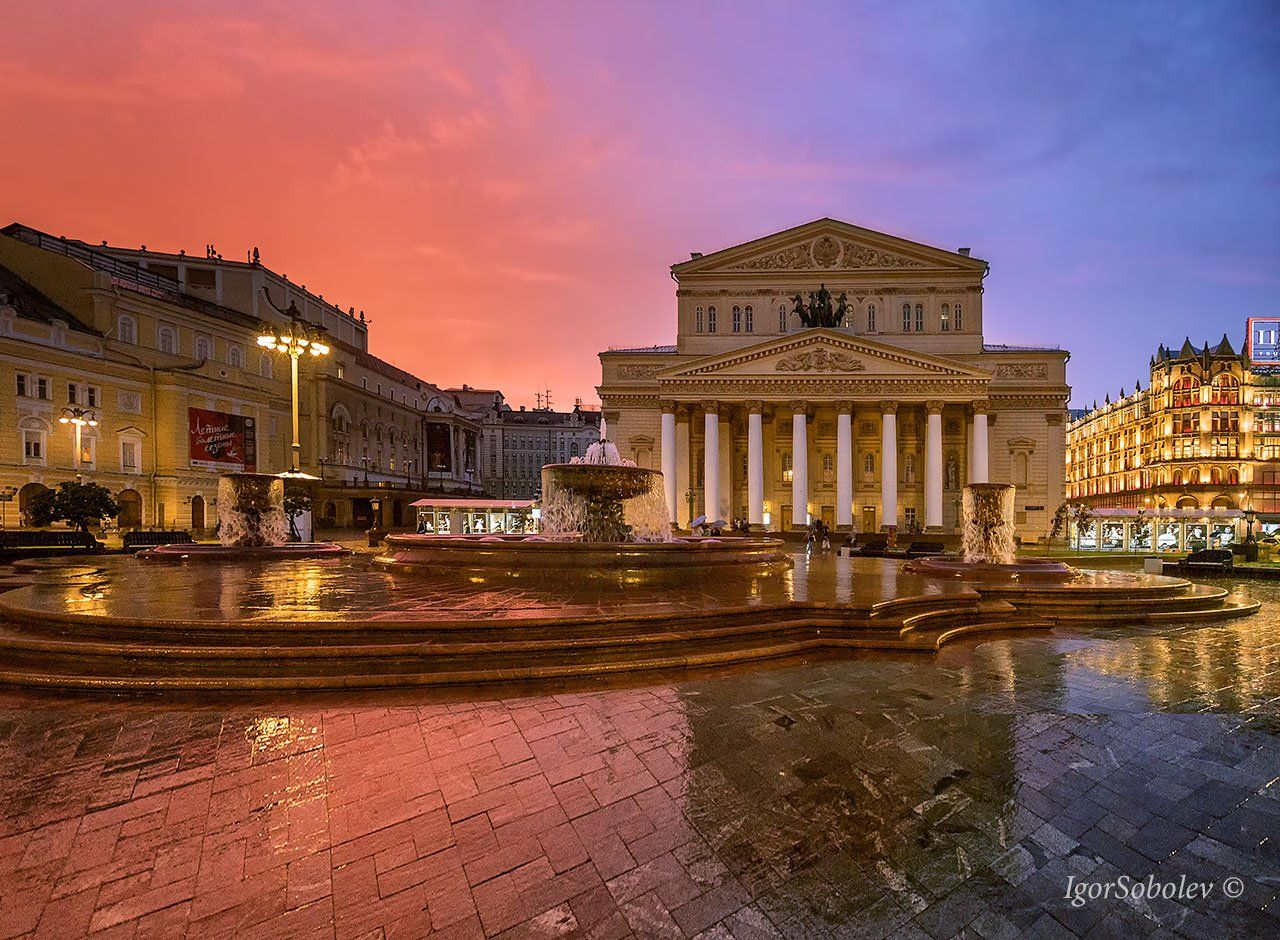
(869, 797)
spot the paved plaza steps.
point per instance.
(68, 651)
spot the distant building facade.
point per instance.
(517, 442)
(1176, 466)
(162, 348)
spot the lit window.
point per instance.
(945, 318)
(33, 446)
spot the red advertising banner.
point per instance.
(220, 441)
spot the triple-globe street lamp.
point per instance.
(78, 418)
(298, 339)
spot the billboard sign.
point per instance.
(1264, 341)
(221, 441)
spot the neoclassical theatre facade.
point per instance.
(878, 419)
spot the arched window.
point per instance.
(782, 319)
(266, 366)
(909, 468)
(1177, 478)
(737, 319)
(944, 318)
(871, 318)
(711, 319)
(1215, 475)
(698, 319)
(906, 318)
(235, 356)
(1233, 476)
(1186, 392)
(166, 339)
(1195, 476)
(959, 318)
(1226, 390)
(341, 419)
(204, 348)
(868, 466)
(919, 318)
(126, 329)
(750, 318)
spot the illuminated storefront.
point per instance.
(476, 516)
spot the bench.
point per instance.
(139, 539)
(46, 541)
(1209, 559)
(922, 548)
(874, 545)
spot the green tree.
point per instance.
(77, 503)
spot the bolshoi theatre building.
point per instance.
(829, 371)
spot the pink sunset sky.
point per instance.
(503, 186)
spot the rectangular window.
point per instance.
(129, 462)
(33, 446)
(782, 319)
(33, 386)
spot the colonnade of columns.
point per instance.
(675, 443)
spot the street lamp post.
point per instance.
(78, 418)
(299, 339)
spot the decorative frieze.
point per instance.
(819, 360)
(1022, 370)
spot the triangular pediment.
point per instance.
(821, 352)
(828, 247)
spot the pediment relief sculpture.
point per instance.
(819, 360)
(826, 251)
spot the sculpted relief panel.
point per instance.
(826, 252)
(820, 360)
(1022, 370)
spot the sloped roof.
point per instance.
(32, 304)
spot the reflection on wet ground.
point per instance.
(869, 797)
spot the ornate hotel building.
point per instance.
(875, 422)
(151, 342)
(1193, 451)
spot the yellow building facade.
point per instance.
(1179, 465)
(162, 350)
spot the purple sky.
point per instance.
(503, 186)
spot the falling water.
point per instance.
(601, 497)
(251, 510)
(988, 523)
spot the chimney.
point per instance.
(963, 251)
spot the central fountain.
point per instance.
(989, 546)
(601, 516)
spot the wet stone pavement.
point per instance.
(878, 796)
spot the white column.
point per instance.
(799, 467)
(979, 472)
(711, 465)
(725, 489)
(888, 464)
(844, 469)
(669, 460)
(683, 474)
(933, 467)
(755, 465)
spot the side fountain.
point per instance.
(251, 524)
(990, 550)
(602, 516)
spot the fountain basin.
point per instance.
(201, 552)
(1026, 569)
(513, 556)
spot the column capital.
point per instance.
(934, 407)
(798, 407)
(668, 406)
(888, 407)
(712, 407)
(981, 407)
(754, 407)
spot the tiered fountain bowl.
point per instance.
(990, 551)
(602, 517)
(251, 525)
